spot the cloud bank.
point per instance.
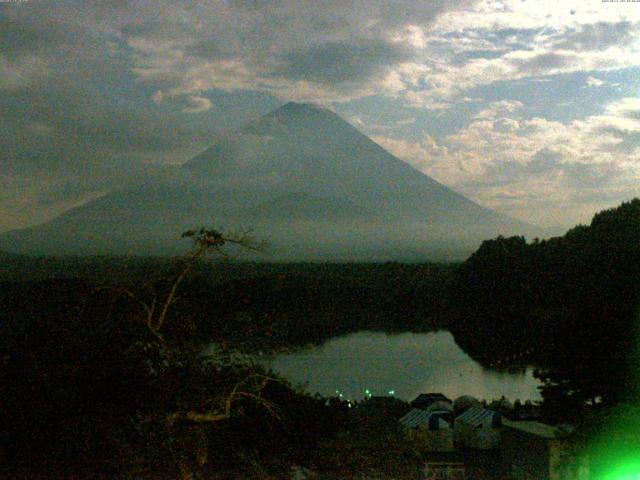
(94, 93)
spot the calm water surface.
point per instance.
(407, 364)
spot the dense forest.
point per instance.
(568, 305)
(275, 305)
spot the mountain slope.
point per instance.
(301, 177)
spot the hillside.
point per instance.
(568, 305)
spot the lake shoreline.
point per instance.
(405, 363)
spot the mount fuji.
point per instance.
(299, 177)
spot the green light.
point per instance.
(392, 392)
(630, 471)
(615, 448)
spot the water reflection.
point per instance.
(406, 363)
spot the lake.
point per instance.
(406, 364)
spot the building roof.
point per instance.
(480, 416)
(425, 399)
(440, 406)
(418, 418)
(534, 428)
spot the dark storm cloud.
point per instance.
(544, 161)
(339, 62)
(168, 46)
(209, 48)
(629, 141)
(517, 35)
(21, 38)
(87, 95)
(601, 196)
(513, 38)
(77, 112)
(483, 54)
(634, 115)
(591, 175)
(79, 123)
(598, 36)
(542, 63)
(328, 43)
(501, 41)
(149, 28)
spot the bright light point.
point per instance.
(392, 392)
(625, 472)
(615, 450)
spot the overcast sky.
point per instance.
(528, 107)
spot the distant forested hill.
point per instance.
(568, 305)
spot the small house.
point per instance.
(534, 450)
(444, 409)
(527, 411)
(464, 403)
(429, 430)
(478, 428)
(424, 400)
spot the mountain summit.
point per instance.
(300, 177)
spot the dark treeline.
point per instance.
(310, 303)
(92, 389)
(274, 305)
(568, 305)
